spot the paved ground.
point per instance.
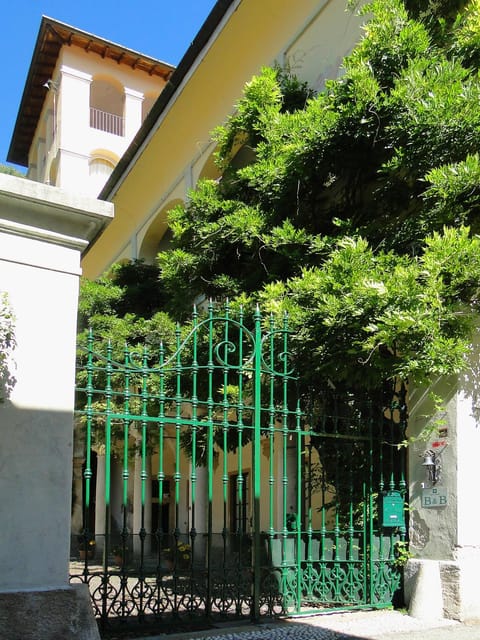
(358, 625)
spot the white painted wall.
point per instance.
(39, 269)
(35, 456)
(316, 52)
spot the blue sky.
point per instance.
(159, 28)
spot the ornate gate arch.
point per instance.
(208, 493)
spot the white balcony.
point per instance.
(108, 122)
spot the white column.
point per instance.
(77, 483)
(137, 503)
(73, 128)
(100, 502)
(116, 496)
(133, 112)
(201, 500)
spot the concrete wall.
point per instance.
(42, 233)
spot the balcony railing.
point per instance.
(108, 122)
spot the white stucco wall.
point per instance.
(316, 51)
(39, 270)
(35, 457)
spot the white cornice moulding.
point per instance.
(133, 93)
(55, 215)
(75, 73)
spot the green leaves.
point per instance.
(453, 194)
(7, 344)
(262, 99)
(369, 315)
(355, 210)
(131, 287)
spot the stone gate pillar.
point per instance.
(43, 231)
(442, 576)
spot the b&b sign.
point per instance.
(434, 497)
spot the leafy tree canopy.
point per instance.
(358, 209)
(354, 210)
(125, 305)
(11, 171)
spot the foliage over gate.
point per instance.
(358, 211)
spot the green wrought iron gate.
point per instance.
(207, 492)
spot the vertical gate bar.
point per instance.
(393, 408)
(366, 548)
(350, 532)
(256, 462)
(177, 473)
(193, 476)
(241, 484)
(271, 446)
(125, 473)
(285, 482)
(126, 408)
(309, 528)
(336, 528)
(143, 476)
(381, 484)
(298, 470)
(323, 523)
(108, 451)
(161, 472)
(308, 448)
(225, 408)
(88, 439)
(210, 409)
(271, 464)
(386, 416)
(370, 505)
(299, 532)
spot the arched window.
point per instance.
(99, 172)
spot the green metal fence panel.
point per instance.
(208, 493)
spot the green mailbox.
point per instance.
(392, 509)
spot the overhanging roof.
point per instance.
(51, 37)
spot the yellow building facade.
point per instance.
(173, 150)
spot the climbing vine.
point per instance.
(7, 343)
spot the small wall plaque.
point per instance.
(434, 497)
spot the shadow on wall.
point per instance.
(469, 380)
(35, 485)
